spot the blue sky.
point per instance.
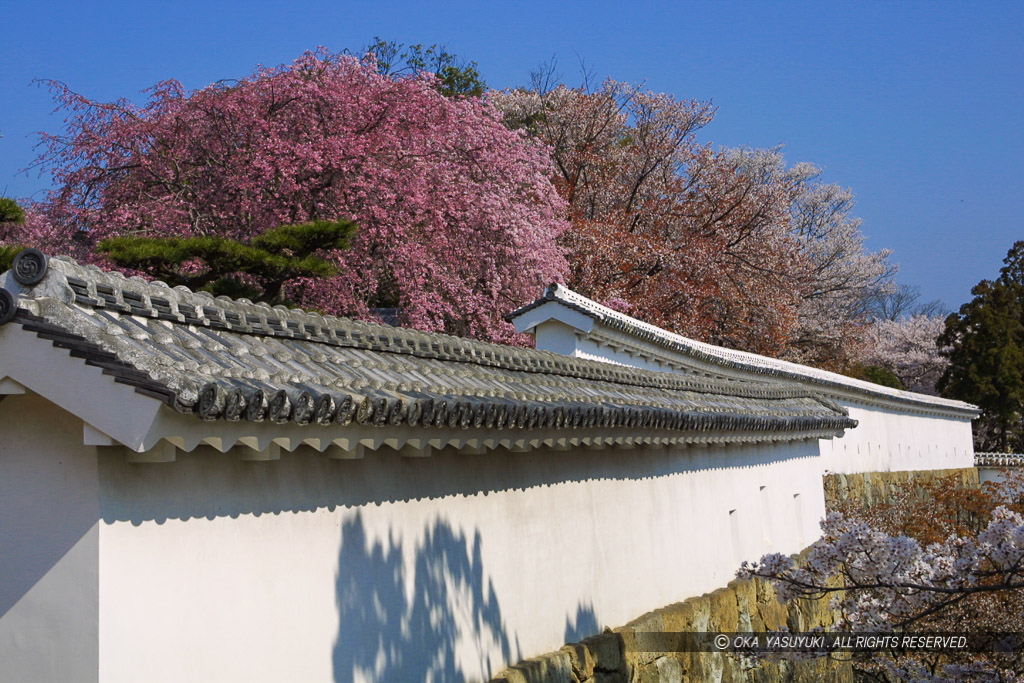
(917, 106)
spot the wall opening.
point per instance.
(734, 535)
(798, 519)
(766, 517)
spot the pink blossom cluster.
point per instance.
(458, 217)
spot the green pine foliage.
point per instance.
(257, 270)
(455, 76)
(10, 212)
(878, 375)
(986, 340)
(7, 254)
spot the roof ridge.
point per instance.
(743, 360)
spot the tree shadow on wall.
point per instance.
(384, 635)
(583, 625)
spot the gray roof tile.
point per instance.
(234, 360)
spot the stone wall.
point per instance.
(871, 488)
(619, 656)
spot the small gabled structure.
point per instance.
(899, 430)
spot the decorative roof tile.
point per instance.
(998, 460)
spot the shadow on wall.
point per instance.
(583, 626)
(48, 499)
(194, 485)
(388, 633)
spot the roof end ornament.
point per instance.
(29, 267)
(8, 306)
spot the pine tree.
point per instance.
(12, 217)
(258, 269)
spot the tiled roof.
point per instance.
(998, 459)
(224, 359)
(744, 361)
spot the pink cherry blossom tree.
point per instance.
(457, 216)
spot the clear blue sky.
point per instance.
(917, 106)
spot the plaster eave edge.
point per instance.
(351, 441)
(82, 390)
(918, 403)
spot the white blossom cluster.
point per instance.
(880, 583)
(909, 348)
(844, 276)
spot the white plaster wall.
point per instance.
(387, 568)
(584, 347)
(993, 474)
(885, 440)
(890, 440)
(49, 512)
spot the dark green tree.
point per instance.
(257, 269)
(10, 212)
(456, 77)
(986, 340)
(878, 375)
(7, 254)
(11, 215)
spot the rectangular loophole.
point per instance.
(766, 517)
(734, 535)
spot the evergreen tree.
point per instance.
(12, 217)
(10, 212)
(258, 269)
(986, 340)
(456, 77)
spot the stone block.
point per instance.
(607, 651)
(668, 670)
(678, 617)
(724, 612)
(551, 668)
(746, 605)
(771, 613)
(581, 659)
